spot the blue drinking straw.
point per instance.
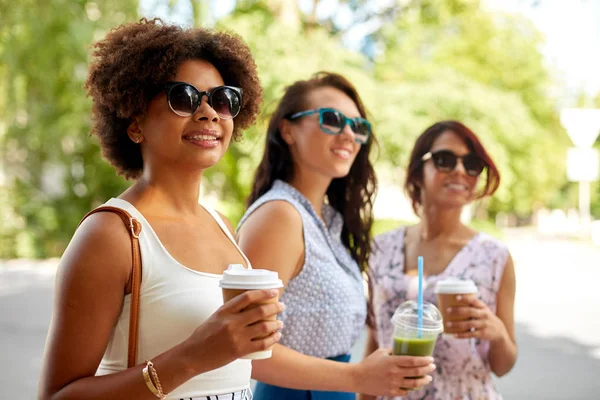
(420, 298)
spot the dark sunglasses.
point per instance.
(445, 161)
(333, 122)
(184, 99)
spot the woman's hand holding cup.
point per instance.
(246, 324)
(383, 374)
(236, 281)
(471, 318)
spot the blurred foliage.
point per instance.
(454, 60)
(429, 60)
(54, 173)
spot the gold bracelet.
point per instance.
(161, 395)
(148, 381)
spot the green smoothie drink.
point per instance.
(414, 346)
(409, 338)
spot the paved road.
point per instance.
(557, 314)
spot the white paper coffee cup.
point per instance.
(237, 279)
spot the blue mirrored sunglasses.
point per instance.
(333, 122)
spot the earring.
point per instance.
(137, 139)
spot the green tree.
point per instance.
(54, 172)
(486, 70)
(283, 55)
(438, 60)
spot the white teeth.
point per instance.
(456, 186)
(202, 137)
(342, 153)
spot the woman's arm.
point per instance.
(503, 351)
(370, 348)
(272, 238)
(380, 374)
(90, 286)
(498, 328)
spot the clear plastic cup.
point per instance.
(409, 340)
(237, 280)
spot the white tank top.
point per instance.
(174, 301)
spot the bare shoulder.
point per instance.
(509, 267)
(90, 286)
(276, 215)
(101, 246)
(272, 238)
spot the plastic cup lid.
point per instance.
(455, 286)
(406, 317)
(238, 277)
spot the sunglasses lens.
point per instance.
(331, 122)
(473, 164)
(362, 130)
(226, 102)
(444, 160)
(183, 100)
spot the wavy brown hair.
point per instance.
(353, 195)
(131, 66)
(423, 144)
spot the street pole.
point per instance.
(582, 126)
(584, 205)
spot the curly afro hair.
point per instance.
(133, 63)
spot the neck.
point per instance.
(439, 223)
(312, 186)
(168, 191)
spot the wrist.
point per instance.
(502, 338)
(189, 363)
(355, 373)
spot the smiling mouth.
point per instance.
(202, 137)
(342, 153)
(456, 186)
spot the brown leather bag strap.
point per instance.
(134, 227)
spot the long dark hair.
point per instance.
(353, 195)
(414, 176)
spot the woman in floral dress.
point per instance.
(442, 178)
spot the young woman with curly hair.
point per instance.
(166, 103)
(309, 218)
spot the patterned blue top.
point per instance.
(325, 304)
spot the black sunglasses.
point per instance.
(333, 122)
(184, 99)
(445, 161)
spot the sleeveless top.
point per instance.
(174, 301)
(463, 371)
(325, 303)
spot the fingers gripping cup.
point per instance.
(237, 280)
(409, 338)
(447, 291)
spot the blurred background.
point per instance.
(523, 74)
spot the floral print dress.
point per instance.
(463, 370)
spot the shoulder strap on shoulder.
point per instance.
(134, 227)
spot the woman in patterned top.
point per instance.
(443, 176)
(309, 219)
